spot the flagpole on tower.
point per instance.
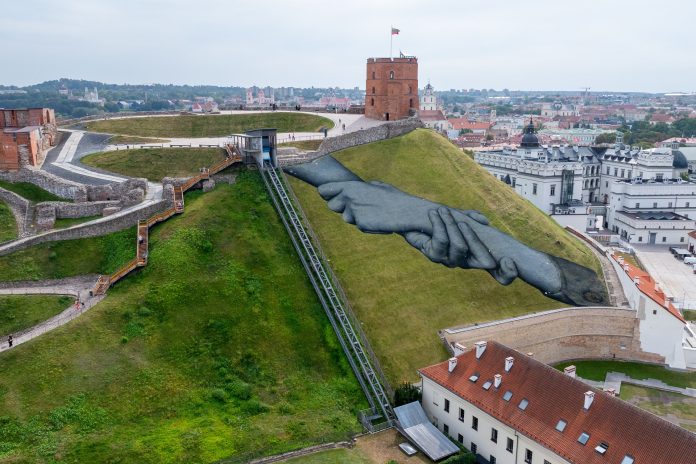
(391, 41)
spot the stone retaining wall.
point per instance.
(54, 184)
(19, 207)
(565, 334)
(95, 229)
(82, 281)
(332, 144)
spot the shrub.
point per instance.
(465, 457)
(219, 394)
(406, 393)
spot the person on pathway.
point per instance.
(10, 341)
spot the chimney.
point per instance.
(589, 397)
(480, 348)
(452, 364)
(569, 371)
(497, 378)
(509, 361)
(458, 349)
(636, 280)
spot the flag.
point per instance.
(395, 31)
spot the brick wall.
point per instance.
(391, 88)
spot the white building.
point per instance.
(509, 408)
(549, 177)
(551, 110)
(428, 99)
(573, 136)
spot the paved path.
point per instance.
(615, 379)
(75, 286)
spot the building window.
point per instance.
(373, 74)
(640, 238)
(687, 204)
(373, 90)
(664, 238)
(528, 456)
(658, 177)
(606, 184)
(492, 459)
(616, 172)
(391, 74)
(553, 189)
(546, 462)
(446, 405)
(607, 170)
(410, 102)
(473, 447)
(460, 438)
(623, 172)
(637, 205)
(681, 239)
(474, 422)
(410, 90)
(669, 205)
(461, 415)
(445, 429)
(494, 435)
(534, 189)
(510, 445)
(655, 205)
(372, 102)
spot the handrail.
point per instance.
(105, 281)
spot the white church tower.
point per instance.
(428, 100)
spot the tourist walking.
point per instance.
(10, 341)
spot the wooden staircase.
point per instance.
(233, 155)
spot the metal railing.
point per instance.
(334, 307)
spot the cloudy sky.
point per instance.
(631, 45)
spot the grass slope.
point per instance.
(218, 347)
(8, 225)
(402, 298)
(55, 260)
(664, 404)
(155, 163)
(210, 125)
(30, 191)
(309, 145)
(597, 370)
(21, 312)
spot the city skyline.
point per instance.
(535, 45)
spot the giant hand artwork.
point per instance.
(449, 236)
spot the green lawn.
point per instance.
(662, 403)
(597, 370)
(62, 223)
(689, 314)
(155, 163)
(8, 225)
(21, 312)
(218, 347)
(336, 456)
(401, 297)
(210, 125)
(54, 260)
(30, 191)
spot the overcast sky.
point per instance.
(630, 45)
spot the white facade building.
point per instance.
(511, 409)
(551, 110)
(428, 99)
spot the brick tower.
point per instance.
(392, 88)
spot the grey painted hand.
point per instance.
(380, 208)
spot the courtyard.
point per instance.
(678, 279)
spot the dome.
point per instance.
(529, 139)
(680, 161)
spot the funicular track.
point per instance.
(329, 298)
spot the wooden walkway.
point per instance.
(233, 155)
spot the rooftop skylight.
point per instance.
(601, 448)
(487, 385)
(628, 459)
(561, 425)
(507, 395)
(583, 438)
(523, 404)
(474, 377)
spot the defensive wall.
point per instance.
(333, 144)
(563, 334)
(95, 228)
(19, 207)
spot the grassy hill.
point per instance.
(155, 163)
(218, 347)
(30, 192)
(21, 312)
(210, 125)
(8, 225)
(402, 298)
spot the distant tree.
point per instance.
(686, 127)
(489, 137)
(607, 137)
(465, 131)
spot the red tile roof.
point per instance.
(431, 115)
(692, 234)
(647, 287)
(463, 123)
(552, 396)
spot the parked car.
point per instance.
(690, 260)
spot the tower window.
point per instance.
(373, 90)
(372, 102)
(410, 90)
(373, 74)
(391, 74)
(410, 102)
